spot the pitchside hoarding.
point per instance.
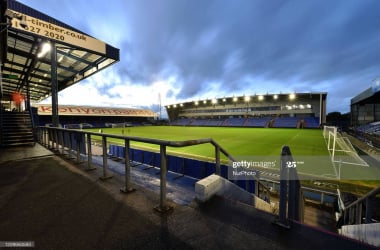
(94, 111)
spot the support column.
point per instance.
(54, 85)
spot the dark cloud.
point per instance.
(225, 41)
(330, 46)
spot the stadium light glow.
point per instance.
(214, 101)
(46, 47)
(292, 96)
(275, 97)
(224, 100)
(247, 98)
(205, 101)
(175, 105)
(235, 99)
(261, 97)
(181, 105)
(196, 103)
(308, 106)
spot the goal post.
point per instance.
(340, 147)
(330, 135)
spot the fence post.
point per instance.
(163, 207)
(127, 188)
(368, 210)
(105, 173)
(70, 143)
(89, 154)
(78, 140)
(61, 141)
(45, 138)
(217, 160)
(55, 144)
(282, 221)
(358, 215)
(322, 198)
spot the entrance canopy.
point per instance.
(38, 51)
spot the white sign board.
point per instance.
(54, 32)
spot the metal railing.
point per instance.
(353, 213)
(54, 138)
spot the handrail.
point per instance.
(56, 138)
(370, 194)
(353, 213)
(153, 141)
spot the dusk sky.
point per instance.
(185, 50)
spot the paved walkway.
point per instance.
(57, 205)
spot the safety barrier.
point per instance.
(361, 211)
(79, 142)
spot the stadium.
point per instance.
(292, 110)
(268, 158)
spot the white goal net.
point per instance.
(340, 148)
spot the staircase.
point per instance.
(16, 129)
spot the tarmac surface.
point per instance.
(50, 201)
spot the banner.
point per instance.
(36, 26)
(94, 111)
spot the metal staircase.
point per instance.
(16, 129)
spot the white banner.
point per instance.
(54, 32)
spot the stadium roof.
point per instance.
(370, 95)
(71, 110)
(26, 60)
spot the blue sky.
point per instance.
(184, 50)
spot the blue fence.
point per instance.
(184, 166)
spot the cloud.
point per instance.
(215, 48)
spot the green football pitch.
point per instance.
(307, 146)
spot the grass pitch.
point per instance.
(308, 147)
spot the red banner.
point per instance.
(44, 109)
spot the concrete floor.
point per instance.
(55, 204)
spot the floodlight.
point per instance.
(292, 96)
(261, 97)
(235, 99)
(275, 97)
(224, 100)
(214, 101)
(247, 98)
(46, 47)
(196, 103)
(205, 101)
